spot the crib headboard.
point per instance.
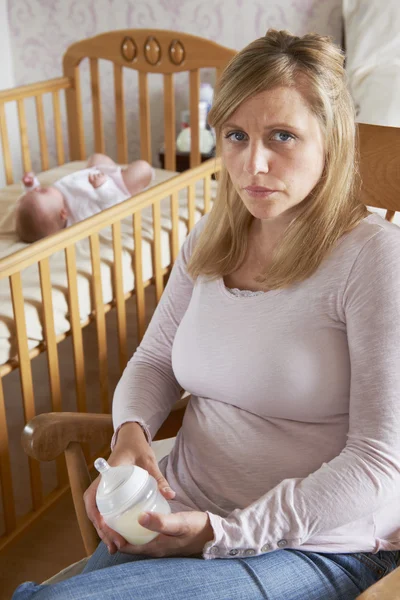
(147, 51)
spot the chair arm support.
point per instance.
(48, 435)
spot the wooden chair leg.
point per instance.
(80, 480)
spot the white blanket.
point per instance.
(30, 276)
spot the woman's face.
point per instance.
(272, 147)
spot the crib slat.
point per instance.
(52, 354)
(157, 266)
(100, 320)
(26, 379)
(191, 205)
(390, 215)
(5, 144)
(120, 120)
(7, 492)
(77, 343)
(194, 78)
(49, 334)
(26, 157)
(137, 265)
(175, 226)
(76, 129)
(207, 194)
(58, 128)
(169, 122)
(96, 103)
(144, 116)
(119, 296)
(44, 151)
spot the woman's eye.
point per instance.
(236, 136)
(283, 136)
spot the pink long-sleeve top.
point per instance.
(291, 438)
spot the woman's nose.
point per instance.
(257, 159)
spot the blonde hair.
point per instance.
(314, 65)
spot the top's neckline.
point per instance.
(245, 295)
(239, 292)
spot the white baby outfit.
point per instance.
(83, 200)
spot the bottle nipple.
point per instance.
(119, 485)
(101, 465)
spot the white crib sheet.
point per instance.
(30, 276)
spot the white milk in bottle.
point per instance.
(124, 492)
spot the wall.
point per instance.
(41, 30)
(7, 79)
(6, 71)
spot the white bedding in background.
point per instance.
(372, 32)
(30, 276)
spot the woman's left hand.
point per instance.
(182, 533)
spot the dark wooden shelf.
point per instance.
(183, 159)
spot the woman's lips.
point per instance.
(257, 191)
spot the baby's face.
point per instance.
(48, 199)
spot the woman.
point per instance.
(281, 320)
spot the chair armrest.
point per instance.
(387, 588)
(48, 435)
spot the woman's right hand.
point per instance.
(131, 448)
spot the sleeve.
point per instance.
(366, 474)
(148, 389)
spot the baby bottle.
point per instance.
(123, 494)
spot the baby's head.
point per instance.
(40, 212)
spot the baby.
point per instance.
(42, 211)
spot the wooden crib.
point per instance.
(185, 197)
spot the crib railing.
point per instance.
(148, 52)
(40, 254)
(19, 96)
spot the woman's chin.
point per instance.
(272, 212)
(265, 215)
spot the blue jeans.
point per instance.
(279, 575)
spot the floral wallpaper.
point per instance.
(41, 30)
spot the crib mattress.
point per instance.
(9, 244)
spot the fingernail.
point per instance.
(116, 543)
(144, 519)
(167, 489)
(109, 549)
